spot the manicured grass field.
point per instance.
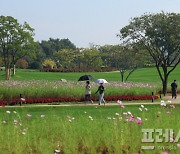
(147, 75)
(85, 129)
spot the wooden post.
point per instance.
(160, 94)
(152, 96)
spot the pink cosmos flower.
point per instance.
(15, 121)
(168, 112)
(29, 115)
(119, 102)
(130, 118)
(172, 106)
(123, 106)
(164, 152)
(171, 139)
(138, 121)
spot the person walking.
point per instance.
(174, 89)
(101, 90)
(21, 99)
(88, 92)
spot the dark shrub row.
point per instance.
(99, 69)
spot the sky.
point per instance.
(83, 22)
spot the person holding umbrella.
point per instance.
(101, 93)
(88, 92)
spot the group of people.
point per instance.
(101, 90)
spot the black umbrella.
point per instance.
(85, 78)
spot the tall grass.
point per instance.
(82, 129)
(43, 88)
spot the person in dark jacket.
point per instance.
(174, 89)
(101, 90)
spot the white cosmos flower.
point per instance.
(57, 151)
(120, 118)
(4, 122)
(162, 101)
(169, 101)
(24, 133)
(140, 109)
(163, 104)
(117, 114)
(138, 118)
(8, 112)
(90, 117)
(42, 115)
(142, 106)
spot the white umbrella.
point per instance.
(101, 81)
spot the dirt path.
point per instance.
(169, 97)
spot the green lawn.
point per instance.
(147, 75)
(85, 129)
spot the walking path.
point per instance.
(156, 102)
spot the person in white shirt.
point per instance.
(88, 92)
(22, 100)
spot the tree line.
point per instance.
(148, 40)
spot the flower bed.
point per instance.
(73, 99)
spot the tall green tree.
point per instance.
(16, 41)
(54, 45)
(160, 35)
(125, 58)
(65, 58)
(92, 58)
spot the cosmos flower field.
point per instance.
(49, 91)
(86, 129)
